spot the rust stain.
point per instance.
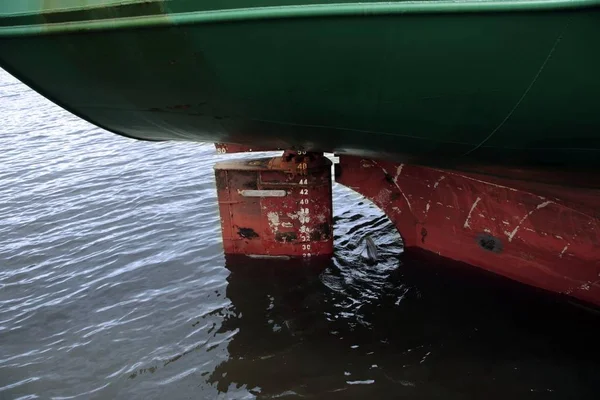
(490, 243)
(321, 232)
(423, 234)
(251, 184)
(247, 233)
(286, 237)
(221, 180)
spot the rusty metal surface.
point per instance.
(296, 224)
(549, 242)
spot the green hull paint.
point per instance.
(499, 82)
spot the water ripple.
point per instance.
(97, 231)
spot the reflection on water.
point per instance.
(113, 285)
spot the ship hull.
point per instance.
(429, 82)
(474, 125)
(538, 234)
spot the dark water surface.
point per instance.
(113, 286)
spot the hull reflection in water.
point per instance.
(347, 329)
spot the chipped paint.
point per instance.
(384, 196)
(273, 218)
(563, 251)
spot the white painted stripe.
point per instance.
(263, 193)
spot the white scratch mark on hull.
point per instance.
(395, 180)
(478, 180)
(435, 185)
(467, 225)
(398, 171)
(424, 357)
(512, 234)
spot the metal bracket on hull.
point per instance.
(276, 207)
